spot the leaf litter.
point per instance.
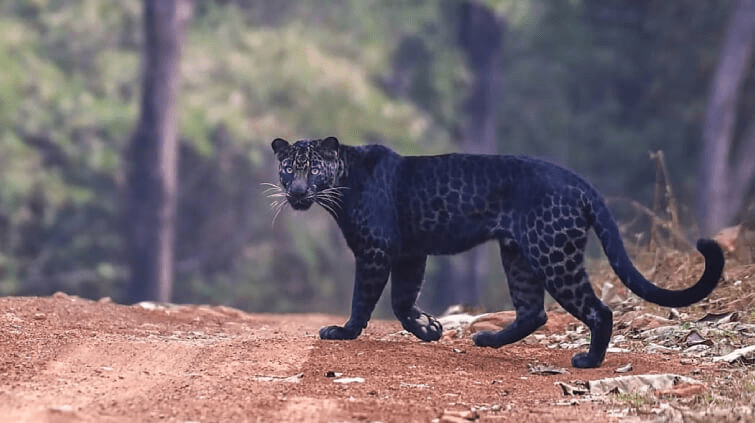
(717, 334)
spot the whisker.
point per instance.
(328, 208)
(336, 201)
(277, 192)
(331, 193)
(326, 194)
(333, 202)
(334, 193)
(276, 189)
(331, 199)
(328, 202)
(271, 187)
(279, 205)
(336, 190)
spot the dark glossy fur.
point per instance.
(394, 211)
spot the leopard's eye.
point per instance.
(288, 169)
(315, 171)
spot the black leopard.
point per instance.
(394, 211)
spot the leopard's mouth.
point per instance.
(300, 202)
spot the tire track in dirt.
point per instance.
(188, 363)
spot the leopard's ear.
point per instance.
(280, 147)
(330, 143)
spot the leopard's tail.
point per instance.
(608, 233)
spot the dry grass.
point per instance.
(730, 388)
(663, 253)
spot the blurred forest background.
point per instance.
(594, 85)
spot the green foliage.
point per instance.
(64, 120)
(594, 85)
(635, 400)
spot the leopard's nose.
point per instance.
(298, 187)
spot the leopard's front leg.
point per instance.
(406, 282)
(371, 275)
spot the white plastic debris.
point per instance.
(286, 379)
(735, 355)
(638, 383)
(346, 380)
(624, 369)
(456, 321)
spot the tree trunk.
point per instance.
(723, 183)
(480, 37)
(150, 198)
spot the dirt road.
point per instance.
(66, 359)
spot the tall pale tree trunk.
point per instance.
(724, 180)
(150, 200)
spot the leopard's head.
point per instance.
(309, 172)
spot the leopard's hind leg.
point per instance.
(527, 293)
(567, 282)
(580, 301)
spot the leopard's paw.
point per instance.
(424, 327)
(486, 338)
(339, 332)
(586, 360)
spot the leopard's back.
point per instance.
(449, 203)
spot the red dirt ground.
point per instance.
(66, 359)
